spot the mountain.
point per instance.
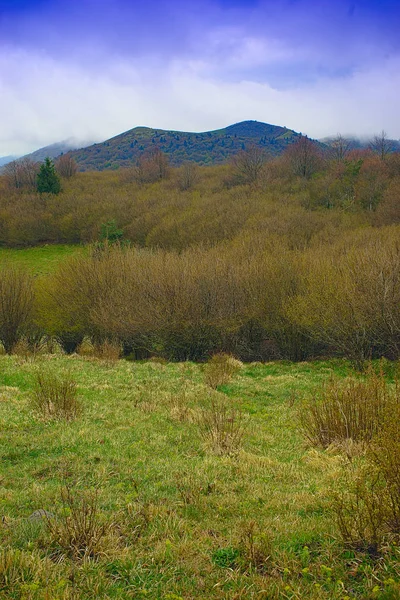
(53, 150)
(4, 160)
(209, 147)
(362, 143)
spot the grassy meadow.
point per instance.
(177, 480)
(143, 500)
(39, 260)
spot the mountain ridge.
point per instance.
(205, 148)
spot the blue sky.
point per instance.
(90, 69)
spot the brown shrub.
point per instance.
(55, 397)
(353, 409)
(220, 369)
(16, 305)
(79, 532)
(222, 427)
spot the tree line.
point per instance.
(156, 205)
(258, 298)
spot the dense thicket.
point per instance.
(205, 205)
(291, 266)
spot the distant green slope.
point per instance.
(39, 260)
(210, 147)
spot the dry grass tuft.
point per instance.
(255, 548)
(79, 532)
(55, 397)
(354, 409)
(222, 427)
(22, 574)
(220, 369)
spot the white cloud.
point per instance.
(44, 101)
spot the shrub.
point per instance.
(220, 369)
(384, 455)
(55, 397)
(108, 351)
(16, 305)
(353, 409)
(367, 507)
(222, 427)
(360, 507)
(79, 532)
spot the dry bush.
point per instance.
(16, 305)
(55, 397)
(188, 176)
(222, 427)
(349, 299)
(23, 350)
(367, 505)
(66, 166)
(220, 369)
(179, 407)
(79, 532)
(248, 165)
(366, 502)
(359, 506)
(353, 409)
(108, 351)
(384, 455)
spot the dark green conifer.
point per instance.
(48, 180)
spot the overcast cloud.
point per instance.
(91, 70)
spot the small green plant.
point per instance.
(220, 369)
(222, 427)
(226, 558)
(78, 532)
(354, 409)
(55, 397)
(110, 233)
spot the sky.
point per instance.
(90, 69)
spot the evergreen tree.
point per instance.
(47, 179)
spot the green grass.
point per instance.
(40, 260)
(184, 522)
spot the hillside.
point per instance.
(209, 147)
(357, 143)
(53, 150)
(4, 160)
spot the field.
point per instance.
(40, 260)
(143, 500)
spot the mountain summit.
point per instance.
(206, 148)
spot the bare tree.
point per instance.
(152, 166)
(21, 173)
(304, 157)
(188, 175)
(339, 147)
(381, 145)
(249, 164)
(66, 166)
